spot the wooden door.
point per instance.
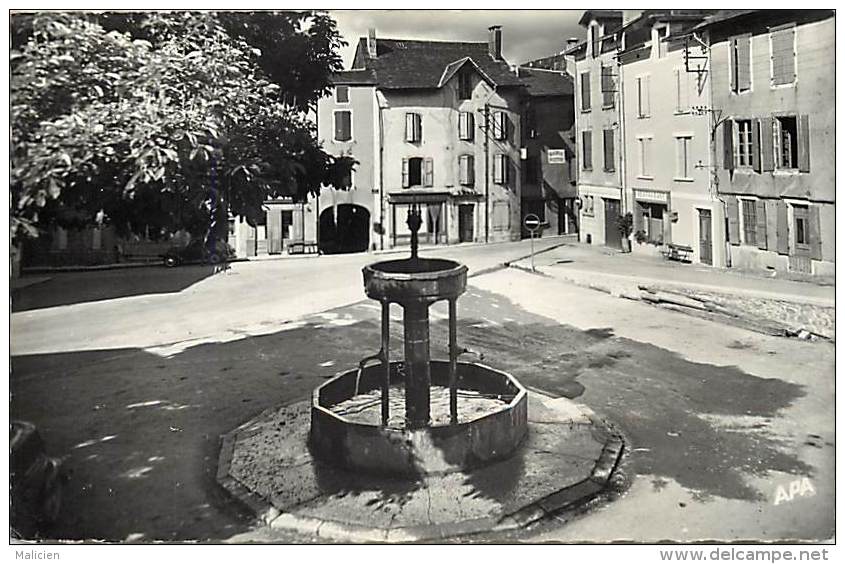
(465, 222)
(612, 237)
(705, 236)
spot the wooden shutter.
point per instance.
(804, 143)
(647, 95)
(733, 219)
(767, 158)
(783, 55)
(585, 91)
(728, 144)
(743, 52)
(409, 128)
(608, 151)
(342, 126)
(405, 174)
(428, 176)
(815, 232)
(587, 143)
(755, 144)
(761, 224)
(734, 64)
(783, 228)
(417, 127)
(771, 224)
(470, 170)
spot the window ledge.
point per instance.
(786, 172)
(587, 111)
(683, 179)
(644, 117)
(682, 112)
(644, 177)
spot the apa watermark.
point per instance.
(801, 488)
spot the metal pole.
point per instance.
(486, 173)
(453, 361)
(385, 348)
(532, 251)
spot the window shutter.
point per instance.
(767, 158)
(783, 228)
(608, 150)
(462, 169)
(342, 126)
(761, 223)
(470, 170)
(405, 171)
(814, 228)
(733, 219)
(585, 91)
(743, 52)
(647, 100)
(771, 224)
(409, 127)
(734, 64)
(728, 145)
(783, 56)
(429, 172)
(804, 143)
(417, 127)
(338, 126)
(587, 143)
(755, 144)
(678, 90)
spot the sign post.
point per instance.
(532, 224)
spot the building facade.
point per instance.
(667, 165)
(436, 124)
(598, 127)
(773, 94)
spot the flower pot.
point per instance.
(626, 245)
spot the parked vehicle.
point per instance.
(36, 482)
(199, 252)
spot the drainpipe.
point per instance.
(381, 171)
(622, 139)
(486, 173)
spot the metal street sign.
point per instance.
(532, 222)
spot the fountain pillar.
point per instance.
(417, 369)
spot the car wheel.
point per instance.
(213, 258)
(170, 262)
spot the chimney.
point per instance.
(571, 42)
(371, 43)
(494, 42)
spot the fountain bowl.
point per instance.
(415, 279)
(436, 449)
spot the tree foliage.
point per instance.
(166, 120)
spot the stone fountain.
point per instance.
(419, 448)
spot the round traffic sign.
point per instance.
(531, 222)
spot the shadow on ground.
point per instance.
(65, 288)
(141, 432)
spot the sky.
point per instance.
(526, 34)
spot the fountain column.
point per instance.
(417, 353)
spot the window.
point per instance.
(800, 216)
(740, 63)
(500, 125)
(466, 164)
(464, 85)
(587, 150)
(588, 205)
(645, 156)
(585, 91)
(650, 221)
(413, 128)
(341, 94)
(681, 91)
(417, 171)
(531, 167)
(607, 87)
(500, 169)
(595, 40)
(643, 97)
(466, 126)
(287, 221)
(683, 168)
(609, 165)
(343, 125)
(783, 55)
(785, 133)
(744, 143)
(662, 45)
(749, 222)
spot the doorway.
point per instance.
(705, 236)
(612, 237)
(466, 215)
(349, 233)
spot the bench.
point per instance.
(681, 253)
(302, 248)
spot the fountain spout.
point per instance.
(414, 224)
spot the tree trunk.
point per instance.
(15, 251)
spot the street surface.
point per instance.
(133, 375)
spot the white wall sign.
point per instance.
(557, 156)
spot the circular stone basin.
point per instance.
(415, 279)
(481, 435)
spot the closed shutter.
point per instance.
(734, 64)
(470, 160)
(405, 177)
(767, 159)
(743, 55)
(783, 228)
(498, 176)
(428, 179)
(771, 224)
(783, 55)
(587, 143)
(342, 126)
(647, 96)
(761, 224)
(815, 233)
(608, 150)
(409, 128)
(728, 144)
(804, 143)
(681, 91)
(733, 219)
(585, 91)
(607, 87)
(466, 125)
(755, 144)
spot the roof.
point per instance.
(599, 15)
(542, 82)
(354, 77)
(407, 64)
(722, 16)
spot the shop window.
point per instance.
(651, 218)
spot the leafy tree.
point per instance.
(166, 120)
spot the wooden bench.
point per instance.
(301, 248)
(681, 253)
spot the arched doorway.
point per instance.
(349, 234)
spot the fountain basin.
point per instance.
(436, 449)
(415, 279)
